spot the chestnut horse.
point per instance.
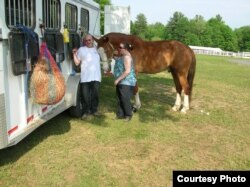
(156, 56)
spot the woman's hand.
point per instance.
(116, 82)
(108, 73)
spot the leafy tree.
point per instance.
(205, 37)
(192, 39)
(216, 35)
(140, 26)
(102, 3)
(177, 27)
(222, 35)
(243, 38)
(155, 31)
(219, 18)
(132, 28)
(230, 39)
(199, 32)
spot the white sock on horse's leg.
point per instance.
(177, 104)
(185, 107)
(137, 104)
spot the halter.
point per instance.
(112, 47)
(106, 60)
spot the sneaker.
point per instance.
(96, 114)
(84, 116)
(127, 118)
(120, 117)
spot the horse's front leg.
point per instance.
(177, 105)
(137, 104)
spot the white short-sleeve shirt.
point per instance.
(90, 64)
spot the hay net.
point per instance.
(47, 84)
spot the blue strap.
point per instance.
(27, 33)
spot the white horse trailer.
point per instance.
(19, 115)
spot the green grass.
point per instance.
(214, 135)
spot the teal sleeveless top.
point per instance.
(119, 68)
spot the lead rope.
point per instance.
(112, 47)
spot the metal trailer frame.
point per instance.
(19, 116)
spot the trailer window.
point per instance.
(55, 45)
(84, 21)
(51, 14)
(20, 12)
(71, 17)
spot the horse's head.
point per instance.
(109, 43)
(106, 51)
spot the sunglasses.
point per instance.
(121, 47)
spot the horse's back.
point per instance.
(162, 55)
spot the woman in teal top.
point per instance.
(125, 80)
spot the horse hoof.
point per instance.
(134, 109)
(137, 106)
(184, 110)
(176, 108)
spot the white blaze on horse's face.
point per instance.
(104, 59)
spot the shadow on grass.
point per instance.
(56, 126)
(156, 94)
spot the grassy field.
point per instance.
(214, 135)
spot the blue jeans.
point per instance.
(90, 96)
(124, 94)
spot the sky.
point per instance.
(235, 13)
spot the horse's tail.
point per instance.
(191, 74)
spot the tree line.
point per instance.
(197, 31)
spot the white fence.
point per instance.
(218, 52)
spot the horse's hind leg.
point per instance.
(177, 104)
